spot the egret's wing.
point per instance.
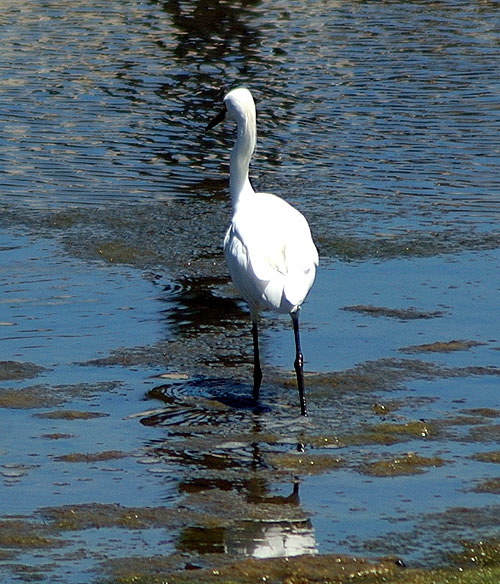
(236, 251)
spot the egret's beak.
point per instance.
(218, 118)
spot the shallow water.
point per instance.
(124, 352)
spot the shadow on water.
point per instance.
(199, 301)
(213, 31)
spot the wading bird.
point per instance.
(268, 247)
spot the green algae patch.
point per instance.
(56, 436)
(493, 456)
(406, 464)
(484, 433)
(15, 370)
(383, 409)
(193, 248)
(448, 576)
(120, 252)
(389, 433)
(91, 457)
(47, 396)
(18, 534)
(98, 515)
(415, 429)
(483, 412)
(398, 313)
(70, 415)
(491, 486)
(28, 398)
(193, 354)
(463, 420)
(322, 441)
(441, 347)
(408, 244)
(324, 569)
(482, 553)
(304, 463)
(384, 374)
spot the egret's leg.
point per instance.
(257, 371)
(299, 363)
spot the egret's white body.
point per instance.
(266, 255)
(268, 247)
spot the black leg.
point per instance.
(257, 372)
(299, 363)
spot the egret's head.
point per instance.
(238, 105)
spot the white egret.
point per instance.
(268, 247)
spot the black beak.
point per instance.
(218, 118)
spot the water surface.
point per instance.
(125, 358)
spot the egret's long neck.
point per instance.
(239, 183)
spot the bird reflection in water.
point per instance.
(257, 538)
(230, 477)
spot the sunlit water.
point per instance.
(380, 121)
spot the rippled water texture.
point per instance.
(129, 446)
